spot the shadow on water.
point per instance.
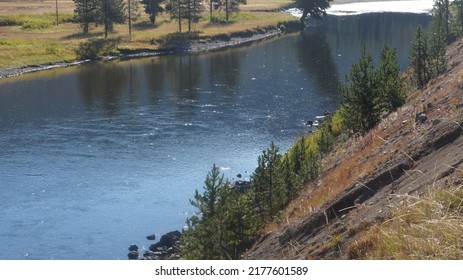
(103, 82)
(315, 54)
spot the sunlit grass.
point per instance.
(424, 228)
(36, 39)
(34, 22)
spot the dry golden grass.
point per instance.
(45, 42)
(427, 227)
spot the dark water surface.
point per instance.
(94, 158)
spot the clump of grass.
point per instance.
(334, 242)
(96, 48)
(424, 228)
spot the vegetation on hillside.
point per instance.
(424, 228)
(279, 177)
(367, 94)
(427, 54)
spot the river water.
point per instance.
(94, 158)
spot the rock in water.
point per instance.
(133, 247)
(133, 255)
(169, 239)
(151, 237)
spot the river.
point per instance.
(95, 157)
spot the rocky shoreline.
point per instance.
(168, 248)
(217, 44)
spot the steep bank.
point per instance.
(364, 180)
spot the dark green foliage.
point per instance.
(111, 12)
(326, 140)
(225, 224)
(391, 92)
(86, 13)
(95, 48)
(437, 46)
(313, 8)
(369, 92)
(359, 95)
(266, 181)
(441, 14)
(419, 57)
(457, 19)
(190, 10)
(153, 8)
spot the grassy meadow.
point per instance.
(29, 34)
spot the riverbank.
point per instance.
(42, 45)
(31, 41)
(219, 42)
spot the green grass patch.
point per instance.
(35, 22)
(17, 52)
(220, 17)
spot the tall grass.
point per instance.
(424, 228)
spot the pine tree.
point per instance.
(437, 48)
(313, 8)
(458, 18)
(391, 92)
(226, 222)
(419, 57)
(359, 95)
(202, 239)
(153, 8)
(178, 10)
(266, 181)
(441, 14)
(326, 140)
(111, 11)
(194, 11)
(86, 13)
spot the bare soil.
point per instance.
(399, 159)
(19, 7)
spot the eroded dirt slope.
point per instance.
(367, 177)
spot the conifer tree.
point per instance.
(111, 11)
(153, 8)
(437, 47)
(313, 8)
(419, 57)
(266, 181)
(391, 92)
(202, 236)
(226, 222)
(458, 18)
(86, 13)
(359, 95)
(441, 14)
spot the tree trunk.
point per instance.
(130, 18)
(179, 18)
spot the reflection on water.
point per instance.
(98, 156)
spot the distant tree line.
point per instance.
(109, 12)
